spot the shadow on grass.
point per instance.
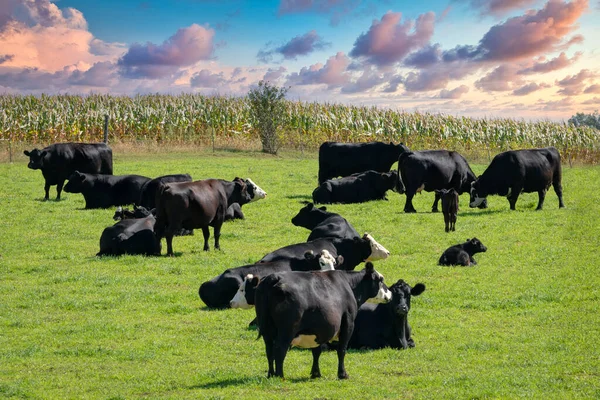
(479, 213)
(42, 200)
(224, 383)
(305, 198)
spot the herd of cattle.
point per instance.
(305, 294)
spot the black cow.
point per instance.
(386, 325)
(58, 161)
(430, 170)
(356, 188)
(323, 224)
(147, 197)
(462, 254)
(103, 191)
(234, 212)
(354, 251)
(138, 212)
(516, 171)
(343, 159)
(449, 207)
(197, 204)
(130, 236)
(307, 309)
(219, 291)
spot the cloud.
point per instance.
(367, 80)
(6, 57)
(557, 105)
(333, 73)
(542, 66)
(337, 8)
(101, 74)
(573, 85)
(530, 88)
(274, 74)
(593, 89)
(297, 46)
(186, 47)
(424, 57)
(454, 93)
(594, 101)
(207, 79)
(389, 40)
(501, 79)
(499, 7)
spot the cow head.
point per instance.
(473, 246)
(390, 180)
(371, 288)
(401, 294)
(256, 193)
(77, 183)
(240, 193)
(378, 252)
(326, 261)
(309, 216)
(244, 297)
(120, 213)
(478, 196)
(36, 158)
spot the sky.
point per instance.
(524, 59)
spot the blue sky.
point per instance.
(508, 58)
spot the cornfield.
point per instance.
(197, 119)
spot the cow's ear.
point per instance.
(309, 255)
(254, 281)
(417, 289)
(26, 153)
(468, 240)
(339, 260)
(323, 208)
(310, 206)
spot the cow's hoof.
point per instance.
(434, 210)
(410, 211)
(343, 376)
(315, 375)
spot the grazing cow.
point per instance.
(516, 171)
(130, 236)
(430, 170)
(148, 193)
(354, 251)
(386, 325)
(197, 204)
(103, 191)
(307, 309)
(219, 291)
(462, 254)
(356, 188)
(323, 224)
(449, 207)
(343, 159)
(58, 161)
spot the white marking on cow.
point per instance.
(326, 262)
(305, 341)
(509, 192)
(420, 188)
(477, 202)
(258, 192)
(239, 300)
(378, 252)
(383, 296)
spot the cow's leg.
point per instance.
(315, 372)
(541, 197)
(59, 187)
(408, 206)
(346, 328)
(447, 221)
(269, 350)
(558, 190)
(434, 207)
(453, 222)
(280, 348)
(206, 234)
(217, 233)
(514, 195)
(169, 239)
(409, 340)
(47, 190)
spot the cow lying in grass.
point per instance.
(462, 254)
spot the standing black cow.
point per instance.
(197, 204)
(131, 236)
(430, 170)
(307, 309)
(103, 191)
(148, 193)
(58, 161)
(323, 224)
(516, 171)
(386, 325)
(343, 159)
(356, 188)
(462, 253)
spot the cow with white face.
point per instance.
(256, 193)
(378, 252)
(244, 298)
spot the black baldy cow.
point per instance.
(308, 309)
(449, 207)
(254, 191)
(58, 161)
(323, 224)
(431, 170)
(198, 204)
(344, 159)
(386, 325)
(462, 254)
(356, 188)
(516, 171)
(103, 191)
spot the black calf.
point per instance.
(462, 254)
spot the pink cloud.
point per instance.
(530, 88)
(333, 73)
(593, 101)
(593, 89)
(573, 85)
(501, 79)
(499, 7)
(389, 40)
(455, 93)
(274, 74)
(297, 46)
(207, 79)
(367, 80)
(542, 66)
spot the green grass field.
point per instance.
(523, 323)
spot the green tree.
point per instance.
(267, 107)
(580, 119)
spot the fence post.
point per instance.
(105, 128)
(10, 151)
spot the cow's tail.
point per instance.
(262, 305)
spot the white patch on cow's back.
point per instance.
(420, 188)
(305, 341)
(258, 192)
(239, 300)
(384, 295)
(378, 252)
(326, 261)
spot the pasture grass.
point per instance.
(522, 323)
